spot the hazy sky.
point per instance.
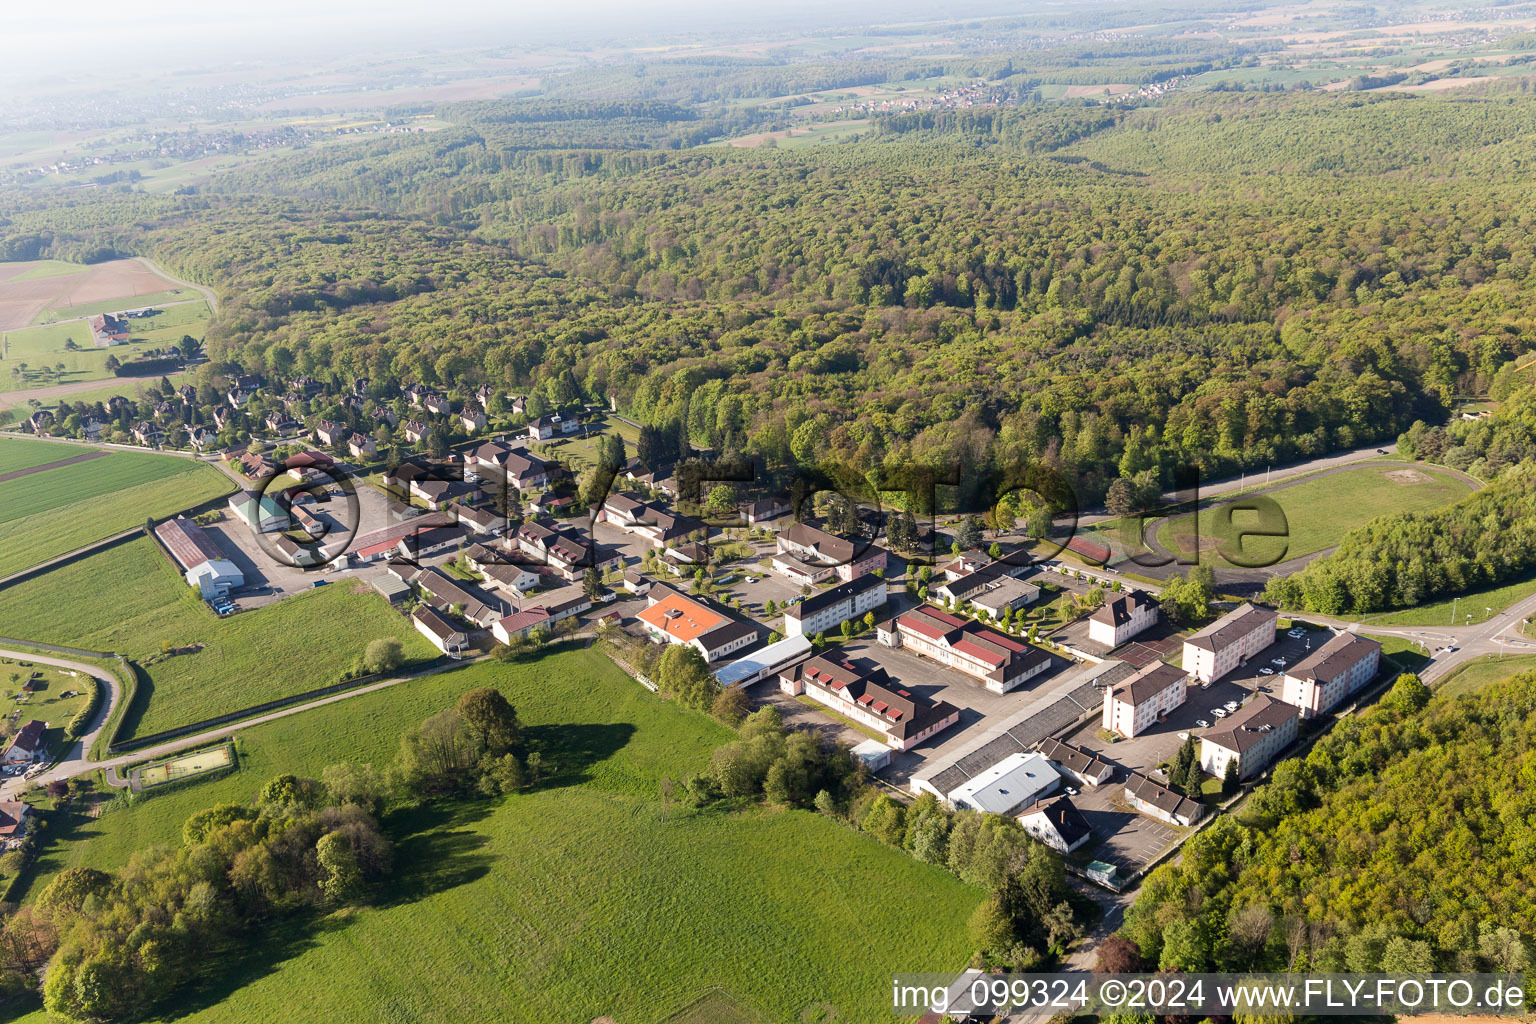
(57, 33)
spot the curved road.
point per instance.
(76, 755)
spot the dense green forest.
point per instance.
(1105, 290)
(1346, 862)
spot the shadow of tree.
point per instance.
(437, 848)
(568, 751)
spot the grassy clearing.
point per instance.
(1481, 605)
(574, 901)
(300, 643)
(20, 453)
(1320, 510)
(1475, 675)
(1407, 653)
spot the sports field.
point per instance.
(130, 600)
(575, 901)
(58, 510)
(177, 769)
(1319, 510)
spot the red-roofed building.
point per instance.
(869, 696)
(28, 744)
(1001, 662)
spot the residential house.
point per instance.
(331, 434)
(279, 423)
(486, 522)
(679, 619)
(1121, 617)
(437, 404)
(1252, 737)
(566, 551)
(148, 433)
(1000, 662)
(636, 583)
(414, 431)
(446, 637)
(472, 419)
(867, 694)
(222, 417)
(15, 819)
(1158, 801)
(39, 422)
(438, 494)
(1077, 763)
(1057, 823)
(1336, 670)
(1229, 641)
(520, 468)
(1133, 707)
(200, 437)
(239, 399)
(362, 446)
(830, 608)
(543, 428)
(28, 744)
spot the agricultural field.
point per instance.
(573, 901)
(36, 292)
(200, 665)
(1319, 510)
(85, 390)
(49, 513)
(32, 356)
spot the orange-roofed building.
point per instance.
(680, 619)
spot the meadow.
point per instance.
(1319, 510)
(48, 514)
(1475, 675)
(116, 305)
(572, 901)
(129, 599)
(1468, 609)
(128, 387)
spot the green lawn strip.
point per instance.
(117, 305)
(1407, 653)
(573, 901)
(1476, 603)
(1476, 674)
(1320, 510)
(820, 708)
(50, 268)
(301, 643)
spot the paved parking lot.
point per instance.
(1124, 838)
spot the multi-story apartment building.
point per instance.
(831, 608)
(1252, 737)
(1135, 705)
(868, 695)
(1335, 670)
(1229, 641)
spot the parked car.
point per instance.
(1277, 661)
(319, 583)
(1219, 712)
(1202, 723)
(1266, 671)
(1232, 705)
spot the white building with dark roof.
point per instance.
(1057, 823)
(1158, 801)
(1337, 669)
(1121, 617)
(1007, 787)
(1229, 641)
(1252, 737)
(1135, 705)
(199, 557)
(830, 608)
(868, 695)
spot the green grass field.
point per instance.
(178, 769)
(48, 514)
(116, 305)
(128, 387)
(1321, 509)
(1481, 605)
(22, 453)
(574, 901)
(1475, 675)
(50, 268)
(130, 600)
